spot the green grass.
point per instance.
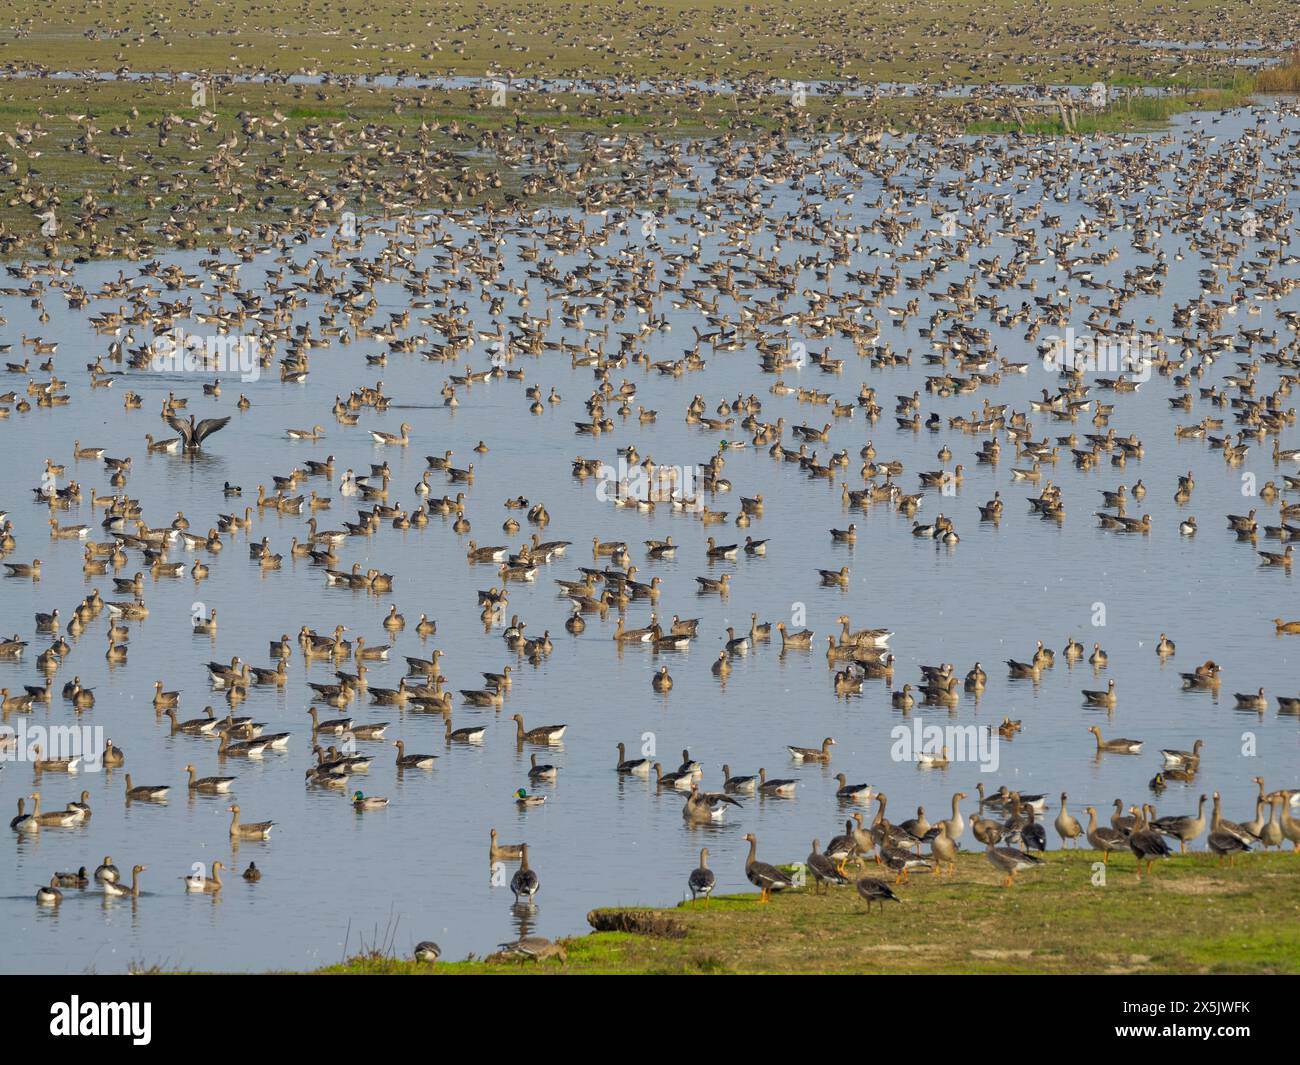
(1191, 916)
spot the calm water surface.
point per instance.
(334, 878)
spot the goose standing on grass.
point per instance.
(1145, 843)
(822, 869)
(1067, 826)
(1185, 829)
(872, 889)
(701, 881)
(1009, 861)
(525, 882)
(767, 878)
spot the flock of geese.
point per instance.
(607, 298)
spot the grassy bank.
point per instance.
(1191, 916)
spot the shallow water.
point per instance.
(335, 879)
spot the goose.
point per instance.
(51, 895)
(1101, 698)
(707, 805)
(1183, 759)
(548, 734)
(146, 792)
(677, 781)
(116, 888)
(847, 792)
(106, 871)
(823, 869)
(813, 754)
(1146, 844)
(638, 766)
(24, 823)
(253, 830)
(412, 761)
(525, 882)
(1009, 861)
(784, 788)
(53, 765)
(427, 951)
(1067, 826)
(702, 880)
(541, 772)
(208, 785)
(196, 882)
(498, 852)
(1227, 845)
(738, 784)
(767, 878)
(872, 889)
(1117, 745)
(468, 734)
(661, 681)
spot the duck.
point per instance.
(362, 801)
(523, 798)
(77, 879)
(252, 874)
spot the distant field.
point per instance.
(1191, 916)
(1051, 41)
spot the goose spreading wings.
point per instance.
(194, 435)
